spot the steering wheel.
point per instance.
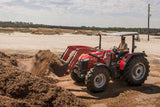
(115, 50)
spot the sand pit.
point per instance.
(47, 63)
(20, 88)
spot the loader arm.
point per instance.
(70, 49)
(79, 50)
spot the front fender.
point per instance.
(104, 65)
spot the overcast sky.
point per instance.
(100, 13)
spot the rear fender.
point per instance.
(125, 61)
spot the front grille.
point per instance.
(83, 64)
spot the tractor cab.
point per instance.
(126, 34)
(116, 51)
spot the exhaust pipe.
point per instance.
(100, 40)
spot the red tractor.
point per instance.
(96, 66)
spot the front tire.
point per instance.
(137, 71)
(97, 79)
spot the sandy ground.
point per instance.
(117, 94)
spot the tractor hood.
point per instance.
(85, 56)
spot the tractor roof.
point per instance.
(123, 34)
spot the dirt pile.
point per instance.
(51, 31)
(46, 31)
(19, 88)
(7, 61)
(86, 32)
(47, 63)
(7, 30)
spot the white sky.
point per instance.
(100, 13)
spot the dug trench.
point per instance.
(45, 64)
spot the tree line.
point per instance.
(3, 24)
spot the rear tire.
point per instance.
(136, 71)
(97, 79)
(75, 77)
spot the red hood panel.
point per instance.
(88, 56)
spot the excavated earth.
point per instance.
(19, 88)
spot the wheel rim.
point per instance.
(138, 71)
(99, 80)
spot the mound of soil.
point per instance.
(19, 88)
(20, 56)
(6, 61)
(47, 63)
(86, 32)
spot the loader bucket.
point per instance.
(47, 63)
(61, 71)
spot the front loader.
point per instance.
(96, 66)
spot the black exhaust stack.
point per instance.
(100, 40)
